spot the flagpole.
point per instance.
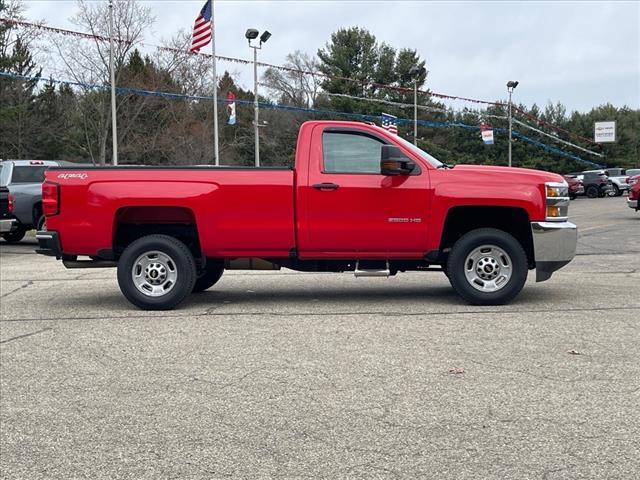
(215, 91)
(114, 126)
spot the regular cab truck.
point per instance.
(358, 199)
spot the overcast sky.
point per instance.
(581, 53)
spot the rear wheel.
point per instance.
(487, 267)
(15, 236)
(592, 191)
(209, 276)
(615, 191)
(156, 272)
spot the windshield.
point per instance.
(431, 160)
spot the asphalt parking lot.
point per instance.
(293, 375)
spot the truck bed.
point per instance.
(262, 199)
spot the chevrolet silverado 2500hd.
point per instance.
(358, 199)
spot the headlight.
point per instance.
(557, 190)
(557, 200)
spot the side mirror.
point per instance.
(394, 162)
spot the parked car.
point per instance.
(632, 172)
(634, 193)
(575, 186)
(358, 199)
(596, 183)
(617, 178)
(24, 178)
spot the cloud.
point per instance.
(580, 53)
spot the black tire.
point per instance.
(180, 263)
(592, 191)
(616, 191)
(209, 276)
(572, 196)
(492, 237)
(15, 236)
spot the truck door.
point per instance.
(350, 207)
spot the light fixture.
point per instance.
(251, 34)
(265, 36)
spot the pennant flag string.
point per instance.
(185, 51)
(553, 137)
(272, 106)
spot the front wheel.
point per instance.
(156, 272)
(487, 266)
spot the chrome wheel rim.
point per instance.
(154, 273)
(488, 268)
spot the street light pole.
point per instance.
(511, 85)
(256, 107)
(114, 127)
(252, 34)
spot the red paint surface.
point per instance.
(266, 213)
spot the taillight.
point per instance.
(50, 198)
(10, 205)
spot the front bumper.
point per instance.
(49, 243)
(6, 225)
(554, 245)
(632, 203)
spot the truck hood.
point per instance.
(510, 174)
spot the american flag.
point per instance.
(202, 29)
(390, 123)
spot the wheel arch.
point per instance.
(134, 222)
(463, 219)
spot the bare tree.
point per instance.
(192, 72)
(90, 66)
(294, 87)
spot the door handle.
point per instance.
(325, 186)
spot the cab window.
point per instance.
(350, 152)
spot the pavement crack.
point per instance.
(21, 287)
(18, 337)
(210, 313)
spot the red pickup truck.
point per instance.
(358, 199)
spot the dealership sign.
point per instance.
(604, 132)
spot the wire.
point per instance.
(272, 106)
(556, 138)
(84, 35)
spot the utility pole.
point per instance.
(415, 111)
(252, 34)
(114, 127)
(511, 85)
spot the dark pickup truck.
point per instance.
(6, 208)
